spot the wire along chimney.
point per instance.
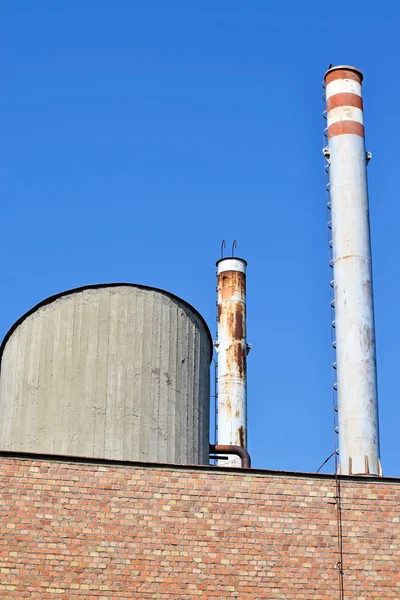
(232, 351)
(353, 296)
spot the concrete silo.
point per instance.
(117, 371)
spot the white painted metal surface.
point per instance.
(345, 113)
(232, 356)
(354, 311)
(343, 86)
(231, 264)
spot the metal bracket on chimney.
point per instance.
(327, 154)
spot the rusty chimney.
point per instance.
(232, 351)
(352, 281)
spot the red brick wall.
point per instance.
(71, 530)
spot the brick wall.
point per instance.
(101, 531)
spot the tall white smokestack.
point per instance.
(354, 309)
(232, 351)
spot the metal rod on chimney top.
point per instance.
(354, 310)
(232, 351)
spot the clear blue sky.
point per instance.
(135, 136)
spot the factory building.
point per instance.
(110, 487)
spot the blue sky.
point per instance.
(135, 136)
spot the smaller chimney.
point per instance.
(232, 351)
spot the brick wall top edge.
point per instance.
(223, 471)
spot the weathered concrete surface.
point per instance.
(115, 372)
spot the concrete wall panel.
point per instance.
(110, 371)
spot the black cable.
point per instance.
(325, 461)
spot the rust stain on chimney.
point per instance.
(241, 437)
(231, 283)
